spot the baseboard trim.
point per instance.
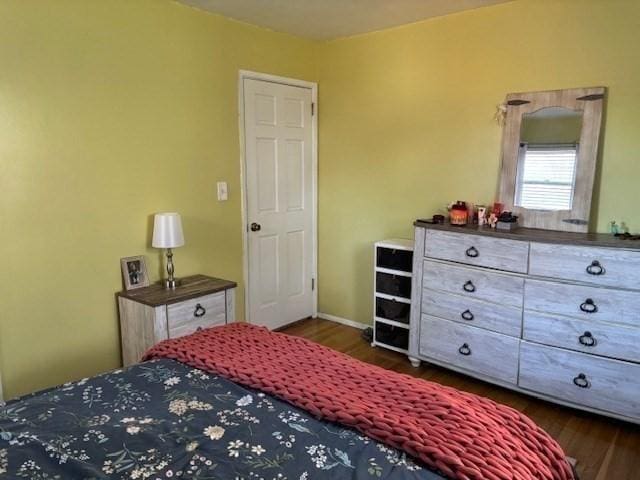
(343, 321)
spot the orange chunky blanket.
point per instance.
(460, 435)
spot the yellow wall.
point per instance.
(111, 111)
(406, 121)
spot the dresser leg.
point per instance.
(415, 362)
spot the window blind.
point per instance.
(546, 176)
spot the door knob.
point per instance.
(255, 227)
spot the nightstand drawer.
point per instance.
(186, 317)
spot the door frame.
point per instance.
(313, 86)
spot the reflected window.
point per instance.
(546, 176)
(547, 159)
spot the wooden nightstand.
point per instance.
(151, 314)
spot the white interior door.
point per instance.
(279, 200)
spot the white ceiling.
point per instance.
(329, 19)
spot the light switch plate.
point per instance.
(222, 191)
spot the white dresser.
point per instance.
(552, 314)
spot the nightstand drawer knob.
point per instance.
(199, 311)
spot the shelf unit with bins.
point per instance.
(393, 261)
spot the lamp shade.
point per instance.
(167, 231)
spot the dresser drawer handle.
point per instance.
(464, 350)
(472, 252)
(588, 306)
(199, 311)
(467, 315)
(469, 286)
(581, 381)
(587, 339)
(595, 268)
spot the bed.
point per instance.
(164, 419)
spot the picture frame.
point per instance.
(134, 272)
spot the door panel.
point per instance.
(295, 175)
(267, 171)
(294, 112)
(268, 269)
(278, 155)
(295, 260)
(265, 109)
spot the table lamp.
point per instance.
(167, 233)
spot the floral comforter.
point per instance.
(162, 419)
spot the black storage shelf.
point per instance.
(392, 296)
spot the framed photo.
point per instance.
(134, 272)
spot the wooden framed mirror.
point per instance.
(549, 153)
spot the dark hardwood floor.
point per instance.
(606, 449)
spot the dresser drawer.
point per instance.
(186, 317)
(470, 311)
(587, 303)
(587, 380)
(473, 349)
(481, 251)
(473, 283)
(600, 266)
(605, 339)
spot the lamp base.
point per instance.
(170, 283)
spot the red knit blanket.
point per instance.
(461, 435)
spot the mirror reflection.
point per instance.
(547, 159)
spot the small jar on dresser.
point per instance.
(151, 314)
(552, 314)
